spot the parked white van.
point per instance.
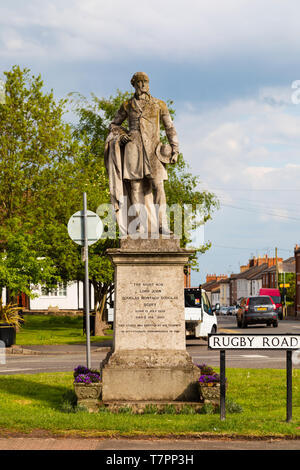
(200, 316)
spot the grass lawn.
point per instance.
(31, 403)
(50, 329)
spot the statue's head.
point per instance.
(140, 81)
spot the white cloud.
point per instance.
(172, 29)
(247, 145)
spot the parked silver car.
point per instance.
(231, 310)
(223, 310)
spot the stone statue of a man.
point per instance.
(135, 158)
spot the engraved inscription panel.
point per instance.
(150, 308)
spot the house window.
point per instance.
(59, 291)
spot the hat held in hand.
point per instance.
(164, 152)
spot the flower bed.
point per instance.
(87, 387)
(87, 376)
(209, 384)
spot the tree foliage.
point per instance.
(36, 148)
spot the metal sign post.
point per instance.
(289, 387)
(288, 342)
(85, 228)
(222, 385)
(86, 283)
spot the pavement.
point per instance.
(157, 445)
(55, 349)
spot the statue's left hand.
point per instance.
(125, 138)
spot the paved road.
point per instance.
(62, 358)
(154, 445)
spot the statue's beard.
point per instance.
(142, 92)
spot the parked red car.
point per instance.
(275, 294)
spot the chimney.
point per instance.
(244, 268)
(211, 277)
(261, 261)
(272, 261)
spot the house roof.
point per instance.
(253, 273)
(233, 276)
(215, 290)
(208, 286)
(224, 281)
(289, 265)
(285, 266)
(258, 272)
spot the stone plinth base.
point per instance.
(149, 359)
(152, 407)
(150, 375)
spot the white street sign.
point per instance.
(227, 341)
(94, 227)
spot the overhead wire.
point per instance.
(265, 212)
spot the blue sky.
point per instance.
(228, 67)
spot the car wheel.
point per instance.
(275, 324)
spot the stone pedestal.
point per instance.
(149, 359)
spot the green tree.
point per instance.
(290, 292)
(36, 149)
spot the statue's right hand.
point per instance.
(124, 139)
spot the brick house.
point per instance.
(225, 292)
(212, 287)
(249, 281)
(284, 266)
(297, 270)
(233, 289)
(250, 278)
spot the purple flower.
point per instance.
(209, 378)
(85, 375)
(81, 370)
(94, 377)
(82, 379)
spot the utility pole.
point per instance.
(284, 290)
(276, 277)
